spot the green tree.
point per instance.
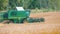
(3, 4)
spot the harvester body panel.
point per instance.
(18, 15)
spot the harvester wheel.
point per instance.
(25, 21)
(7, 21)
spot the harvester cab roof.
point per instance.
(20, 8)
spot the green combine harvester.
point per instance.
(18, 16)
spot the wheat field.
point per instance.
(50, 26)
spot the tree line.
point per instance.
(30, 4)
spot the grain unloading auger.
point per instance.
(18, 16)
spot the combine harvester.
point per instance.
(18, 16)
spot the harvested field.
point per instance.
(35, 28)
(50, 26)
